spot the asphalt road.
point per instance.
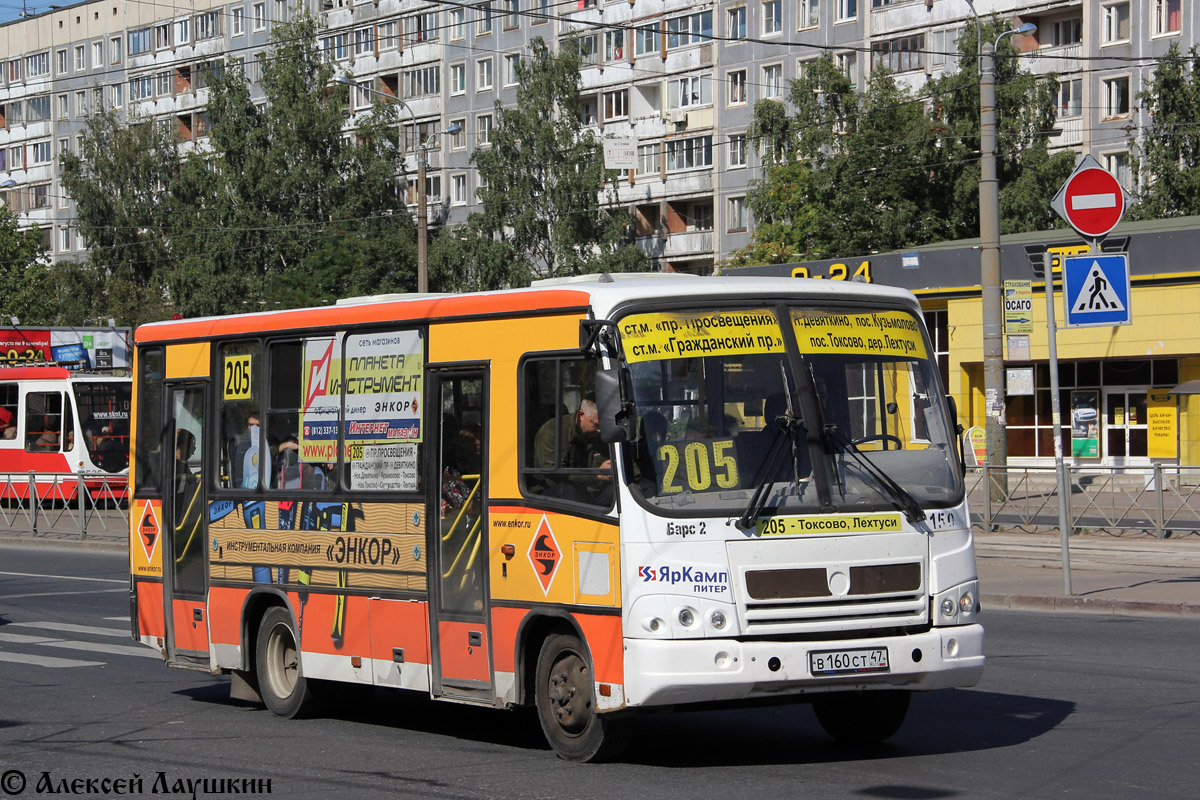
(1070, 706)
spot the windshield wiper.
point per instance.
(900, 497)
(780, 445)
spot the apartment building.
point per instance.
(677, 77)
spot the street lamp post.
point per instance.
(422, 155)
(991, 296)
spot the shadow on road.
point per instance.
(938, 723)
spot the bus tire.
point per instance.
(862, 717)
(281, 682)
(566, 705)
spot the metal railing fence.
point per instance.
(1159, 500)
(79, 505)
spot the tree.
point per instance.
(275, 208)
(1167, 171)
(543, 177)
(25, 281)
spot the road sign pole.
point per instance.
(1060, 467)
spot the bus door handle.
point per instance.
(474, 638)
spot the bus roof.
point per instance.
(600, 293)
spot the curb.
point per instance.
(37, 543)
(1090, 605)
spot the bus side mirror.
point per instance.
(613, 391)
(952, 404)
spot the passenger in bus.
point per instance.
(47, 440)
(8, 428)
(245, 459)
(652, 434)
(578, 435)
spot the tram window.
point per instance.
(240, 364)
(43, 422)
(148, 455)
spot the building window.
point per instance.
(483, 74)
(735, 214)
(1116, 97)
(141, 88)
(647, 159)
(1114, 23)
(693, 153)
(1069, 98)
(846, 10)
(772, 80)
(458, 78)
(80, 58)
(40, 153)
(737, 87)
(364, 42)
(114, 47)
(423, 81)
(1066, 32)
(140, 41)
(422, 28)
(334, 47)
(458, 23)
(646, 40)
(848, 64)
(458, 190)
(614, 45)
(208, 26)
(60, 58)
(692, 29)
(64, 239)
(772, 17)
(259, 13)
(587, 46)
(64, 106)
(97, 55)
(1117, 165)
(512, 65)
(162, 84)
(458, 139)
(904, 54)
(483, 19)
(808, 13)
(1165, 16)
(237, 21)
(81, 105)
(512, 14)
(389, 35)
(737, 150)
(689, 92)
(543, 14)
(736, 17)
(162, 36)
(117, 95)
(183, 31)
(616, 105)
(483, 130)
(943, 46)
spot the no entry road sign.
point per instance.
(1091, 200)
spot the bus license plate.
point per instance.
(849, 662)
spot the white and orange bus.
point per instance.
(59, 426)
(595, 496)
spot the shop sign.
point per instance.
(1162, 438)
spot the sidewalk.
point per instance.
(1132, 574)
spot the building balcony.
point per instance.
(1062, 60)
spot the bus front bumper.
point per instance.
(677, 671)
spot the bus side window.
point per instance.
(240, 439)
(43, 422)
(292, 365)
(148, 456)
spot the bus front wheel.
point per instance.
(862, 717)
(566, 704)
(281, 682)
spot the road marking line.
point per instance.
(90, 647)
(56, 594)
(64, 577)
(46, 661)
(67, 627)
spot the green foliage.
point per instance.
(1167, 170)
(25, 282)
(849, 173)
(544, 175)
(274, 209)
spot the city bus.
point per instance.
(59, 425)
(594, 497)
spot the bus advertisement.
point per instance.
(595, 497)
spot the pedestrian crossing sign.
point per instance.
(1096, 290)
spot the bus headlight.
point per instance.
(957, 606)
(686, 617)
(717, 619)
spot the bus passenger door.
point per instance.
(185, 512)
(457, 534)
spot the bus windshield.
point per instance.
(725, 405)
(104, 414)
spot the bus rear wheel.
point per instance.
(862, 717)
(566, 704)
(281, 682)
